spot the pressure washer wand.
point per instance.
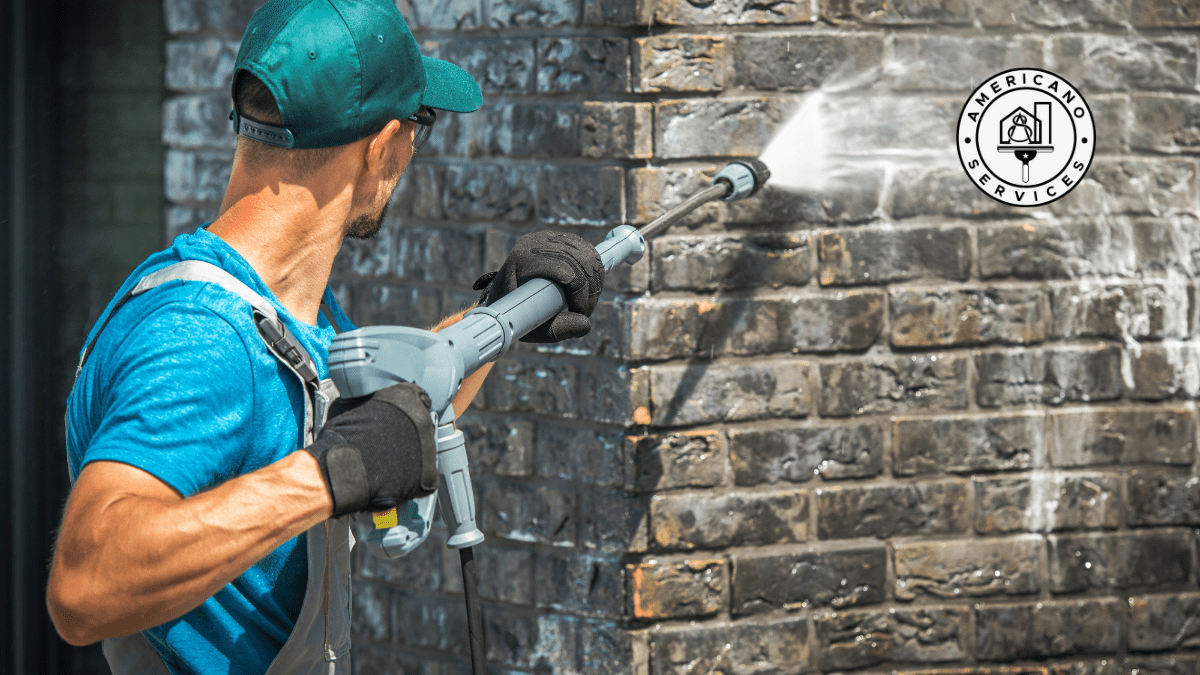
(369, 359)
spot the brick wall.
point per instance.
(891, 425)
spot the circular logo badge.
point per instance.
(1026, 137)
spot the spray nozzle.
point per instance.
(744, 177)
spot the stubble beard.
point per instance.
(366, 226)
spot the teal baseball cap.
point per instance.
(340, 70)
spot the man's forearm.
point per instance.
(131, 562)
(472, 384)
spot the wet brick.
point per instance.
(616, 130)
(609, 392)
(1155, 187)
(389, 304)
(429, 254)
(964, 444)
(943, 190)
(509, 577)
(1092, 13)
(840, 579)
(1045, 629)
(1147, 311)
(581, 195)
(689, 521)
(1050, 376)
(1098, 62)
(949, 62)
(203, 63)
(778, 647)
(523, 639)
(580, 584)
(194, 176)
(419, 193)
(723, 392)
(499, 66)
(731, 12)
(191, 16)
(884, 511)
(680, 63)
(893, 384)
(1163, 499)
(1166, 123)
(592, 456)
(607, 648)
(499, 445)
(1166, 369)
(968, 568)
(1110, 561)
(420, 621)
(665, 461)
(197, 121)
(613, 521)
(617, 12)
(525, 512)
(802, 61)
(460, 15)
(653, 190)
(904, 12)
(714, 127)
(668, 590)
(1047, 502)
(1165, 13)
(850, 199)
(420, 570)
(489, 192)
(1163, 435)
(955, 317)
(372, 604)
(535, 385)
(730, 263)
(865, 638)
(882, 255)
(1164, 622)
(532, 13)
(582, 65)
(374, 659)
(1173, 664)
(796, 454)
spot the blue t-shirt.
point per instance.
(180, 385)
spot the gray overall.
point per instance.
(320, 642)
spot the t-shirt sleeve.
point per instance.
(178, 399)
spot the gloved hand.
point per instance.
(379, 450)
(564, 258)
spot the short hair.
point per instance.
(255, 101)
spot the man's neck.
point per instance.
(288, 240)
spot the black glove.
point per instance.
(564, 258)
(379, 450)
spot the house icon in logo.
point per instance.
(1025, 134)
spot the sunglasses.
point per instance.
(424, 117)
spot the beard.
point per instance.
(366, 227)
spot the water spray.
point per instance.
(369, 359)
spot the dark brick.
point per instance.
(191, 16)
(665, 461)
(1099, 62)
(893, 384)
(523, 512)
(370, 659)
(509, 573)
(579, 584)
(489, 192)
(591, 456)
(667, 590)
(1007, 632)
(1159, 622)
(536, 385)
(1050, 376)
(796, 454)
(1165, 123)
(617, 130)
(1110, 561)
(372, 609)
(1163, 499)
(714, 127)
(581, 195)
(197, 121)
(775, 648)
(801, 61)
(608, 392)
(419, 193)
(499, 445)
(886, 511)
(945, 191)
(1166, 369)
(865, 638)
(955, 317)
(968, 568)
(420, 570)
(1131, 435)
(1091, 13)
(1173, 664)
(371, 258)
(582, 65)
(1047, 502)
(839, 579)
(526, 640)
(421, 621)
(196, 176)
(617, 12)
(202, 63)
(683, 395)
(499, 66)
(532, 13)
(1146, 311)
(966, 444)
(689, 521)
(731, 12)
(730, 263)
(458, 15)
(390, 304)
(680, 63)
(613, 521)
(903, 12)
(850, 196)
(1162, 13)
(438, 254)
(607, 648)
(1139, 187)
(882, 255)
(956, 63)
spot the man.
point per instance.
(197, 539)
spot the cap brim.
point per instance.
(449, 87)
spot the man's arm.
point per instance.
(133, 554)
(471, 385)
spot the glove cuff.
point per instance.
(344, 472)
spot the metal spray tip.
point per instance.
(745, 177)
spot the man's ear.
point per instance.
(380, 147)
